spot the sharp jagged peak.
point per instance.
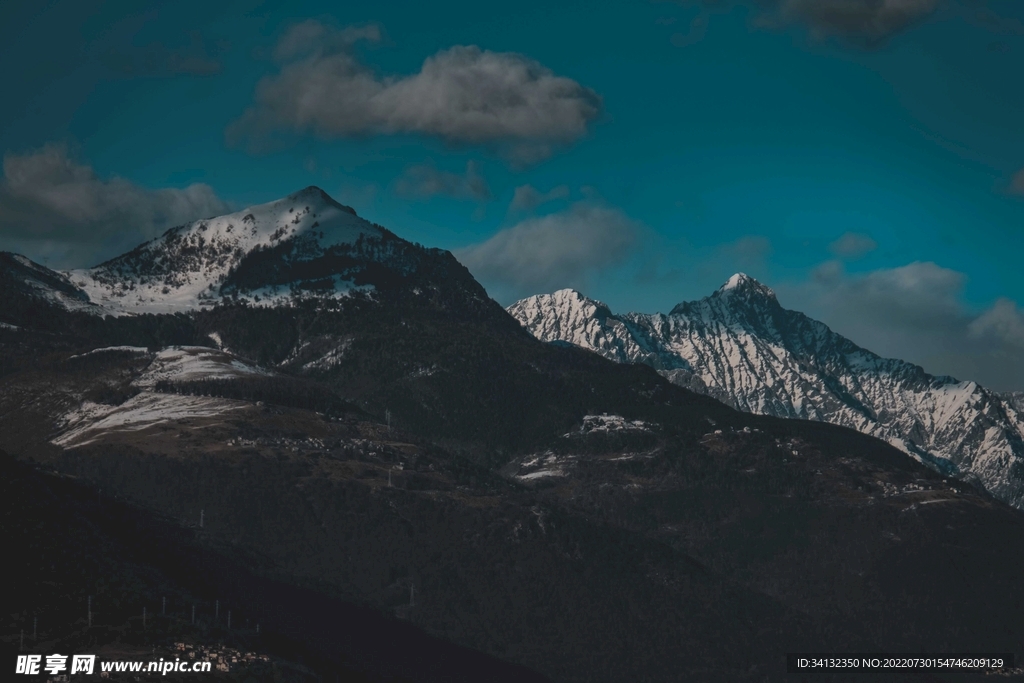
(567, 294)
(570, 293)
(741, 291)
(743, 285)
(566, 301)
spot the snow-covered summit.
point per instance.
(568, 316)
(573, 307)
(741, 295)
(742, 347)
(742, 285)
(187, 267)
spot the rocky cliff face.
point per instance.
(742, 347)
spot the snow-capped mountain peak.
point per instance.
(742, 347)
(742, 285)
(740, 295)
(303, 249)
(198, 263)
(568, 316)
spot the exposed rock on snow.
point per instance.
(742, 347)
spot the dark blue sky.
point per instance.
(859, 156)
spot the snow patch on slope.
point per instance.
(93, 421)
(190, 363)
(112, 349)
(608, 424)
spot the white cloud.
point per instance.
(1002, 324)
(550, 252)
(917, 313)
(463, 95)
(59, 211)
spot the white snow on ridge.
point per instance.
(183, 269)
(109, 349)
(740, 346)
(580, 321)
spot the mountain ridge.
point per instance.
(742, 347)
(189, 265)
(305, 246)
(585, 518)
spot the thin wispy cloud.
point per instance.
(853, 245)
(528, 198)
(423, 181)
(1016, 186)
(864, 23)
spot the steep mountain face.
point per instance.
(196, 264)
(742, 347)
(303, 247)
(22, 278)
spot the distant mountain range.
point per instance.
(742, 347)
(337, 434)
